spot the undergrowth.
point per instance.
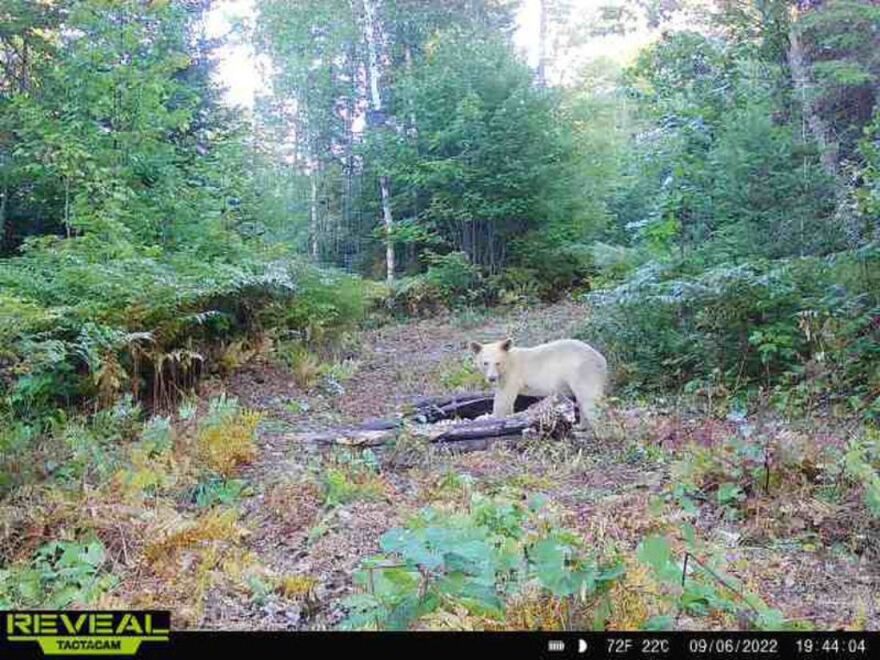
(74, 539)
(499, 564)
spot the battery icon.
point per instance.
(556, 645)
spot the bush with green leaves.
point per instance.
(552, 263)
(862, 465)
(451, 280)
(61, 574)
(141, 323)
(802, 323)
(213, 489)
(701, 588)
(347, 476)
(476, 559)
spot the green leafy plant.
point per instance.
(731, 328)
(699, 588)
(476, 559)
(349, 476)
(861, 460)
(61, 574)
(216, 490)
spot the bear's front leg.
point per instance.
(502, 406)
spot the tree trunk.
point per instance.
(371, 25)
(350, 104)
(313, 180)
(828, 148)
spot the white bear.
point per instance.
(566, 366)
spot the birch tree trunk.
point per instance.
(371, 25)
(828, 148)
(350, 103)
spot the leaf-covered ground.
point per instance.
(613, 490)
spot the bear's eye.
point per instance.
(485, 364)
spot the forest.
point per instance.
(206, 304)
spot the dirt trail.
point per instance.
(601, 489)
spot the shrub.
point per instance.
(517, 286)
(552, 264)
(704, 592)
(61, 574)
(214, 490)
(327, 304)
(862, 464)
(614, 262)
(451, 280)
(461, 375)
(350, 476)
(81, 326)
(454, 276)
(476, 561)
(788, 322)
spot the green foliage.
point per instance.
(720, 172)
(549, 264)
(725, 473)
(453, 275)
(706, 589)
(501, 167)
(476, 559)
(758, 323)
(124, 321)
(769, 196)
(216, 490)
(61, 574)
(128, 225)
(869, 196)
(327, 304)
(451, 280)
(862, 463)
(350, 476)
(840, 37)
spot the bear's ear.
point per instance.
(506, 344)
(475, 347)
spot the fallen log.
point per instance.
(424, 402)
(551, 417)
(464, 405)
(350, 437)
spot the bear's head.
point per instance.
(491, 359)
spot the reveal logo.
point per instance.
(87, 633)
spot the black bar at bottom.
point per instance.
(503, 645)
